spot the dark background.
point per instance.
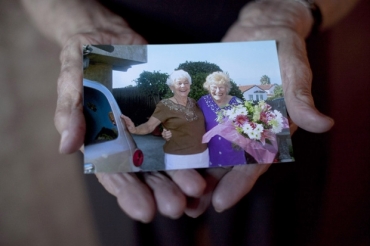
(322, 199)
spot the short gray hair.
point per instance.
(177, 75)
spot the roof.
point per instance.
(266, 87)
(245, 88)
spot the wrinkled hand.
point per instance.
(174, 192)
(289, 23)
(166, 134)
(139, 195)
(69, 119)
(166, 192)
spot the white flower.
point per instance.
(277, 122)
(235, 111)
(245, 117)
(253, 130)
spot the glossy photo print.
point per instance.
(166, 107)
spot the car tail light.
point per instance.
(138, 158)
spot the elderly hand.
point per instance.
(288, 22)
(139, 197)
(71, 24)
(69, 119)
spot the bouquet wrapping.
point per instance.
(252, 127)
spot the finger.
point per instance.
(295, 72)
(125, 119)
(128, 123)
(190, 182)
(165, 134)
(69, 119)
(292, 126)
(236, 184)
(297, 77)
(196, 206)
(168, 136)
(133, 196)
(170, 200)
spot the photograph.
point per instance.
(168, 107)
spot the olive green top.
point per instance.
(186, 124)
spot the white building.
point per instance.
(257, 92)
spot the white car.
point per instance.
(108, 146)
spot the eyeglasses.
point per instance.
(214, 88)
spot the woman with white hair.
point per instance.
(182, 116)
(221, 151)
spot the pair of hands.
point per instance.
(173, 193)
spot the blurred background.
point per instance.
(43, 199)
(321, 199)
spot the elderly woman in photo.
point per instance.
(181, 115)
(222, 152)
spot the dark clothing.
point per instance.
(176, 21)
(288, 205)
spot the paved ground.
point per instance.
(153, 151)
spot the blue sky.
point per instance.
(245, 62)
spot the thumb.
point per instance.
(69, 119)
(297, 78)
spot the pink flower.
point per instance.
(240, 120)
(253, 125)
(264, 117)
(266, 134)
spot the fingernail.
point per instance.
(62, 141)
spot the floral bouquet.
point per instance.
(252, 127)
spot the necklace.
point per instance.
(188, 110)
(211, 103)
(186, 102)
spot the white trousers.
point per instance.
(200, 160)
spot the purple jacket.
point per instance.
(221, 151)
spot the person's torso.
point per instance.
(221, 151)
(176, 21)
(186, 125)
